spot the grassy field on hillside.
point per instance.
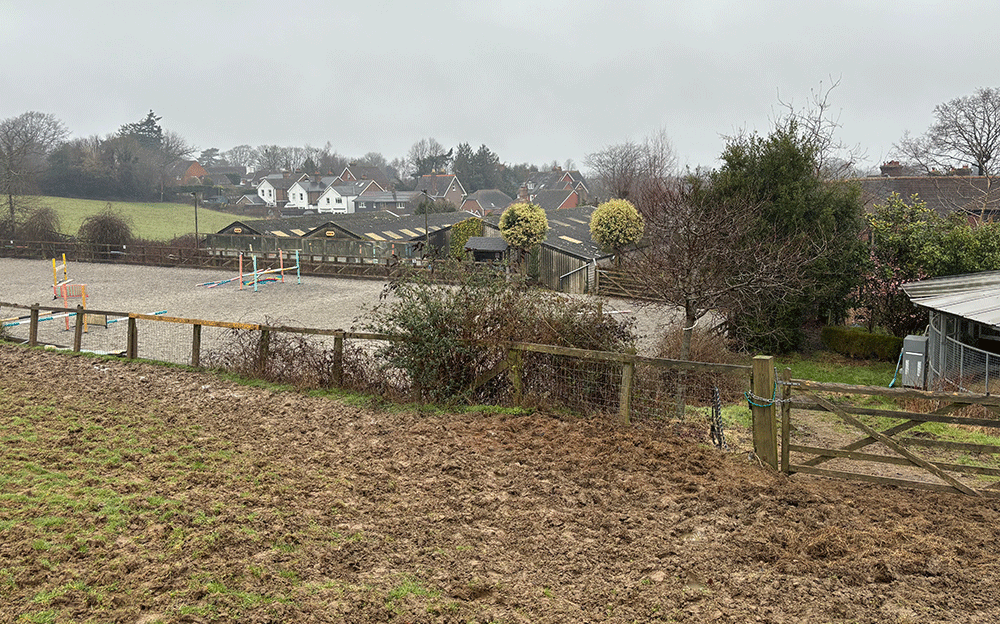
(149, 220)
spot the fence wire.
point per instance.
(959, 366)
(587, 386)
(552, 381)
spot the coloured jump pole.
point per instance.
(260, 275)
(74, 291)
(23, 320)
(56, 282)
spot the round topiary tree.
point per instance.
(616, 224)
(523, 226)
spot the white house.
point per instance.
(274, 188)
(342, 197)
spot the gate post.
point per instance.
(625, 393)
(786, 416)
(196, 346)
(78, 329)
(765, 434)
(514, 364)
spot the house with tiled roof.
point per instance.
(354, 172)
(399, 203)
(486, 201)
(443, 187)
(556, 199)
(184, 172)
(341, 197)
(273, 188)
(556, 179)
(975, 196)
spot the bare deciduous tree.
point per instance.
(240, 156)
(427, 156)
(835, 160)
(621, 169)
(703, 255)
(25, 142)
(966, 130)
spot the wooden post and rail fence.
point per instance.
(512, 365)
(773, 444)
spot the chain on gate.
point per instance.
(715, 431)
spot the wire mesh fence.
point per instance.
(956, 365)
(587, 382)
(585, 386)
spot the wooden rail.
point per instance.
(512, 365)
(807, 397)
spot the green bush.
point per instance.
(461, 232)
(455, 330)
(859, 343)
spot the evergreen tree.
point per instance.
(780, 173)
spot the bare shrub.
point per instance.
(454, 331)
(106, 231)
(291, 359)
(706, 346)
(41, 226)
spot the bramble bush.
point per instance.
(455, 329)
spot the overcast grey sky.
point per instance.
(536, 81)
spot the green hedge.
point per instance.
(858, 343)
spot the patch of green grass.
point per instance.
(829, 367)
(248, 600)
(149, 220)
(41, 617)
(408, 587)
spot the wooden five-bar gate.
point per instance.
(882, 450)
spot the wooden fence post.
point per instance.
(625, 396)
(514, 373)
(263, 347)
(765, 438)
(338, 359)
(132, 347)
(196, 346)
(786, 416)
(78, 329)
(33, 327)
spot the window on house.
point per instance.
(328, 200)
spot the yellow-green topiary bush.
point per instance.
(616, 224)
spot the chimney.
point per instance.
(891, 169)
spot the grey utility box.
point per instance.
(915, 362)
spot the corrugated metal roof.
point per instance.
(974, 296)
(569, 232)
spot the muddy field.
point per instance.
(136, 493)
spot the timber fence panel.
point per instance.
(919, 461)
